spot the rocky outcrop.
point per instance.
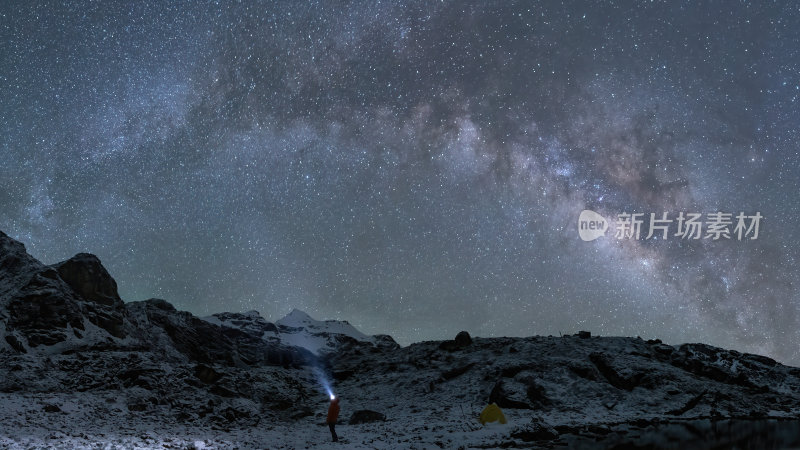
(75, 305)
(505, 399)
(181, 333)
(614, 373)
(196, 339)
(710, 362)
(385, 342)
(48, 305)
(89, 279)
(43, 311)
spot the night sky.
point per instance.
(415, 168)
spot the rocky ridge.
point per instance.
(73, 352)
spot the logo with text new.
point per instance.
(591, 225)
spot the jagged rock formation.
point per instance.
(49, 305)
(74, 305)
(67, 338)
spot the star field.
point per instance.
(416, 168)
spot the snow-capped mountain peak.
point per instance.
(296, 318)
(300, 330)
(318, 336)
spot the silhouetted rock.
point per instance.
(463, 339)
(222, 391)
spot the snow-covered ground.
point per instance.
(431, 398)
(79, 368)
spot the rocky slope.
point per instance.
(74, 305)
(79, 368)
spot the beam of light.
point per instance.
(323, 381)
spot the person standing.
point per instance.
(333, 415)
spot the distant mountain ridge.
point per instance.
(298, 329)
(74, 304)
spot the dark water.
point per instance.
(767, 434)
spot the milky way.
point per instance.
(415, 168)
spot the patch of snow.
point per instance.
(295, 329)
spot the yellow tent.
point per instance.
(492, 413)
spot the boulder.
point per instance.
(51, 408)
(463, 339)
(503, 399)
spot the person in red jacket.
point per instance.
(333, 415)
